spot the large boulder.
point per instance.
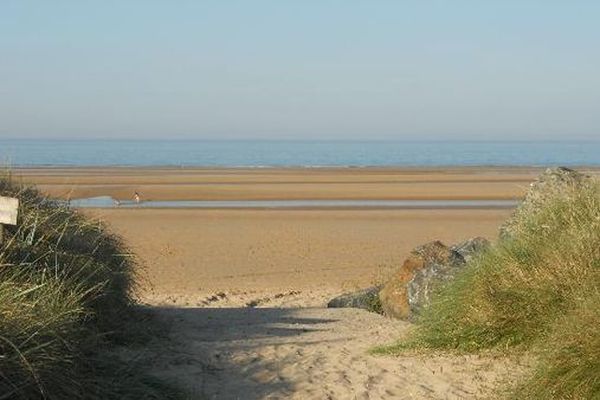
(366, 299)
(553, 182)
(411, 287)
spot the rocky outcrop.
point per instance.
(411, 287)
(553, 182)
(366, 299)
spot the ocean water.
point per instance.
(296, 153)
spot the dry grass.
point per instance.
(66, 287)
(569, 366)
(535, 291)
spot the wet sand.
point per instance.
(283, 184)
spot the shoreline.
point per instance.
(461, 183)
(240, 168)
(176, 167)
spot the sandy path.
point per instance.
(308, 353)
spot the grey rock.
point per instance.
(364, 298)
(411, 286)
(427, 268)
(431, 276)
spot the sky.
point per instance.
(305, 70)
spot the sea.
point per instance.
(273, 153)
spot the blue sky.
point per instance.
(414, 70)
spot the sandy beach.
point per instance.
(189, 255)
(244, 291)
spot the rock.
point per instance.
(553, 182)
(366, 299)
(471, 247)
(411, 287)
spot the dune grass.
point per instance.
(569, 366)
(536, 290)
(66, 287)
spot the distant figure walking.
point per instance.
(137, 198)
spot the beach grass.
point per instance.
(537, 292)
(66, 302)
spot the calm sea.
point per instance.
(296, 153)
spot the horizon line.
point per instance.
(580, 140)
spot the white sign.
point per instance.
(9, 207)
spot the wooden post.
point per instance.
(9, 209)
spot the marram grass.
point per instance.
(569, 366)
(66, 287)
(536, 291)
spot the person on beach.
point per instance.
(137, 198)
